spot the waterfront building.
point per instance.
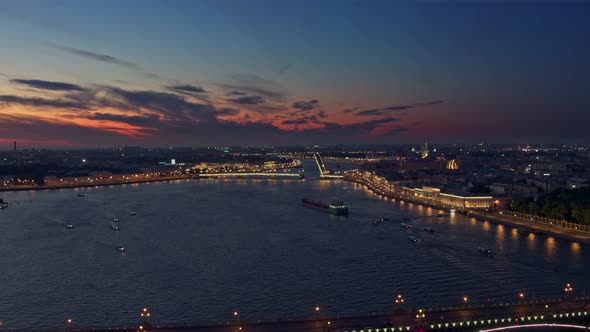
(437, 197)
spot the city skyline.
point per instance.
(186, 73)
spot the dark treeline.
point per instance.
(568, 204)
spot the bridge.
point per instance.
(324, 172)
(272, 175)
(570, 313)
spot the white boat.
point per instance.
(121, 249)
(485, 251)
(115, 227)
(70, 226)
(116, 220)
(414, 239)
(132, 213)
(404, 225)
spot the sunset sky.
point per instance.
(277, 72)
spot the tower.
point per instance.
(424, 151)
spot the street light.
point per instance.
(145, 314)
(568, 288)
(237, 316)
(399, 299)
(521, 295)
(465, 299)
(69, 324)
(420, 314)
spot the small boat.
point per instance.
(115, 227)
(121, 249)
(404, 225)
(116, 220)
(484, 251)
(82, 195)
(452, 212)
(414, 239)
(429, 229)
(132, 213)
(105, 203)
(70, 226)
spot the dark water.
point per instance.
(198, 250)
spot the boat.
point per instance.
(121, 249)
(132, 213)
(484, 251)
(3, 204)
(70, 226)
(105, 203)
(414, 239)
(429, 229)
(452, 212)
(116, 220)
(404, 225)
(82, 195)
(337, 208)
(115, 227)
(378, 220)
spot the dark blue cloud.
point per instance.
(247, 100)
(41, 102)
(98, 56)
(48, 85)
(305, 105)
(186, 88)
(391, 109)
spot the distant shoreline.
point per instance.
(114, 183)
(87, 185)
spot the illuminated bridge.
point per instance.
(560, 314)
(324, 172)
(272, 175)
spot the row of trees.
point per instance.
(569, 204)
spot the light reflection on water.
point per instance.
(551, 249)
(531, 241)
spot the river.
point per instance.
(199, 249)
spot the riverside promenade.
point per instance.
(466, 317)
(534, 224)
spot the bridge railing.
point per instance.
(534, 219)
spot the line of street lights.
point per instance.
(399, 300)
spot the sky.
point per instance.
(277, 72)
